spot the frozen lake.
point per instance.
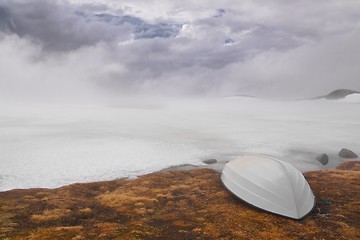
(55, 145)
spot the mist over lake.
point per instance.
(53, 145)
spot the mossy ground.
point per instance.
(177, 205)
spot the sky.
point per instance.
(88, 50)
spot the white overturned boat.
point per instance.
(270, 184)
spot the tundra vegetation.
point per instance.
(190, 204)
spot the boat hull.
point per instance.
(269, 184)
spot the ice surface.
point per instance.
(55, 145)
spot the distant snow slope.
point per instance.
(339, 94)
(352, 98)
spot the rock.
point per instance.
(346, 153)
(323, 158)
(210, 161)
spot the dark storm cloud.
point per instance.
(247, 47)
(6, 22)
(62, 27)
(203, 43)
(57, 26)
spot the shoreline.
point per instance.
(183, 167)
(217, 166)
(179, 204)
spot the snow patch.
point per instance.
(352, 98)
(51, 146)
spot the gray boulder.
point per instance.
(346, 153)
(210, 161)
(323, 158)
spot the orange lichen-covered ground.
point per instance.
(189, 204)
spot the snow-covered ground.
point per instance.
(54, 145)
(352, 98)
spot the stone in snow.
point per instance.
(323, 158)
(346, 153)
(210, 161)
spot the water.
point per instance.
(54, 145)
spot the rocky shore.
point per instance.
(182, 204)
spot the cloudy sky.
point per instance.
(89, 49)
